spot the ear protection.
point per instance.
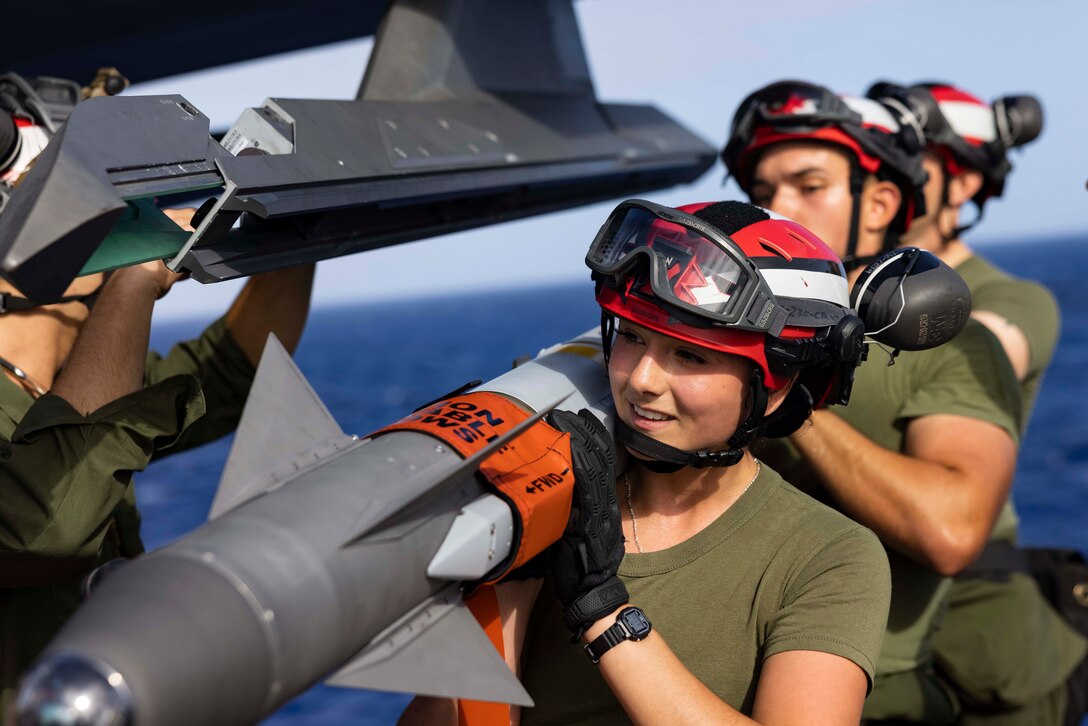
(910, 300)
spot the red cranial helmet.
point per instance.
(966, 132)
(875, 140)
(733, 277)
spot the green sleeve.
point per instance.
(838, 602)
(225, 375)
(968, 376)
(1031, 308)
(65, 474)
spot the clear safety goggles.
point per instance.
(793, 105)
(687, 263)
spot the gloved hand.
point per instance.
(585, 560)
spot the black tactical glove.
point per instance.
(584, 562)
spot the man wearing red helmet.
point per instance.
(995, 606)
(924, 456)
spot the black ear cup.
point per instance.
(1019, 119)
(910, 300)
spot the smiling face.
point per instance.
(680, 394)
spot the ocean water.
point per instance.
(373, 363)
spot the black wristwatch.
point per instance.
(631, 624)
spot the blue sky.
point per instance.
(696, 59)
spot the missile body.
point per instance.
(324, 553)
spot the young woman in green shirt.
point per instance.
(732, 598)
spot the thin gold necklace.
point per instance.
(631, 507)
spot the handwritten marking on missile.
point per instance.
(469, 421)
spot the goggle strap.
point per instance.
(802, 313)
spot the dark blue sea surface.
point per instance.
(373, 363)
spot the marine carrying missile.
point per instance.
(329, 554)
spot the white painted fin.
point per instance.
(439, 650)
(283, 417)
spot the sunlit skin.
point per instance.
(654, 376)
(810, 183)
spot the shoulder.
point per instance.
(817, 529)
(1023, 302)
(968, 376)
(834, 589)
(974, 348)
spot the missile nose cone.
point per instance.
(73, 690)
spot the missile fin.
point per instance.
(440, 650)
(282, 417)
(467, 467)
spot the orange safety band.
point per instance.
(533, 473)
(484, 606)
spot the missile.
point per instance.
(329, 554)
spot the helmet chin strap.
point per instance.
(962, 229)
(665, 459)
(851, 260)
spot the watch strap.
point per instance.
(631, 624)
(606, 641)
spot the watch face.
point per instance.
(635, 622)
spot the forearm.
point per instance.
(929, 511)
(107, 360)
(274, 302)
(640, 673)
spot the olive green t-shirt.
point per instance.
(1027, 305)
(68, 499)
(968, 376)
(776, 572)
(1031, 308)
(1001, 643)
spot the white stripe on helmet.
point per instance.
(872, 113)
(972, 121)
(808, 285)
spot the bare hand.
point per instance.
(155, 274)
